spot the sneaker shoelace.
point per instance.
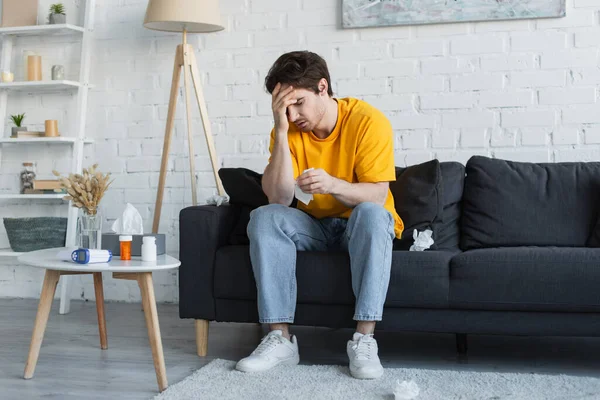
(268, 343)
(364, 347)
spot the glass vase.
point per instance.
(27, 177)
(89, 231)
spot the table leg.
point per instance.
(48, 289)
(149, 302)
(99, 290)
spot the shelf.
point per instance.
(37, 30)
(40, 86)
(32, 196)
(9, 253)
(56, 140)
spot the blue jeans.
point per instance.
(276, 232)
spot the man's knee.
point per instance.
(367, 212)
(370, 218)
(264, 218)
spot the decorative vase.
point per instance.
(51, 128)
(58, 72)
(34, 68)
(89, 230)
(26, 55)
(27, 176)
(57, 19)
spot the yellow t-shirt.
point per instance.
(360, 149)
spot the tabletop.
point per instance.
(48, 259)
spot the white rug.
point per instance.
(219, 380)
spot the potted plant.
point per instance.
(85, 192)
(18, 120)
(57, 14)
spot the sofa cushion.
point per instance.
(526, 279)
(453, 180)
(418, 200)
(418, 279)
(594, 240)
(509, 203)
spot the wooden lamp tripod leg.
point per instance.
(190, 60)
(191, 153)
(168, 135)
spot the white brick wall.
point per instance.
(522, 90)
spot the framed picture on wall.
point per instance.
(19, 12)
(368, 13)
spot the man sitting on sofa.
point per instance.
(341, 152)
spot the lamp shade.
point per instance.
(195, 16)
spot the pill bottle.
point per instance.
(125, 246)
(148, 248)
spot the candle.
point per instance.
(7, 76)
(34, 68)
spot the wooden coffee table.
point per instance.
(134, 269)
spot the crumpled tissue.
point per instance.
(423, 240)
(129, 223)
(406, 390)
(217, 200)
(303, 196)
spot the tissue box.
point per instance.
(110, 241)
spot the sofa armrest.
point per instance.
(202, 230)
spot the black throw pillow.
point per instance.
(418, 199)
(243, 187)
(245, 194)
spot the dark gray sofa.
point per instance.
(516, 253)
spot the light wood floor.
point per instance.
(72, 366)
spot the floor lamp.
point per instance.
(185, 16)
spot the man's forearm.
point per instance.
(352, 194)
(278, 179)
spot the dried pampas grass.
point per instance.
(85, 191)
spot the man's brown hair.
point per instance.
(301, 69)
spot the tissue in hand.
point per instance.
(302, 196)
(130, 222)
(423, 240)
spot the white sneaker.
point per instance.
(273, 350)
(364, 361)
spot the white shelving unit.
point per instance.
(31, 196)
(77, 138)
(55, 140)
(37, 30)
(40, 86)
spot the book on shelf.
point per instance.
(45, 191)
(27, 134)
(46, 184)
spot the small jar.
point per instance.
(58, 72)
(27, 176)
(148, 248)
(125, 246)
(8, 76)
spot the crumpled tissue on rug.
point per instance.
(219, 380)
